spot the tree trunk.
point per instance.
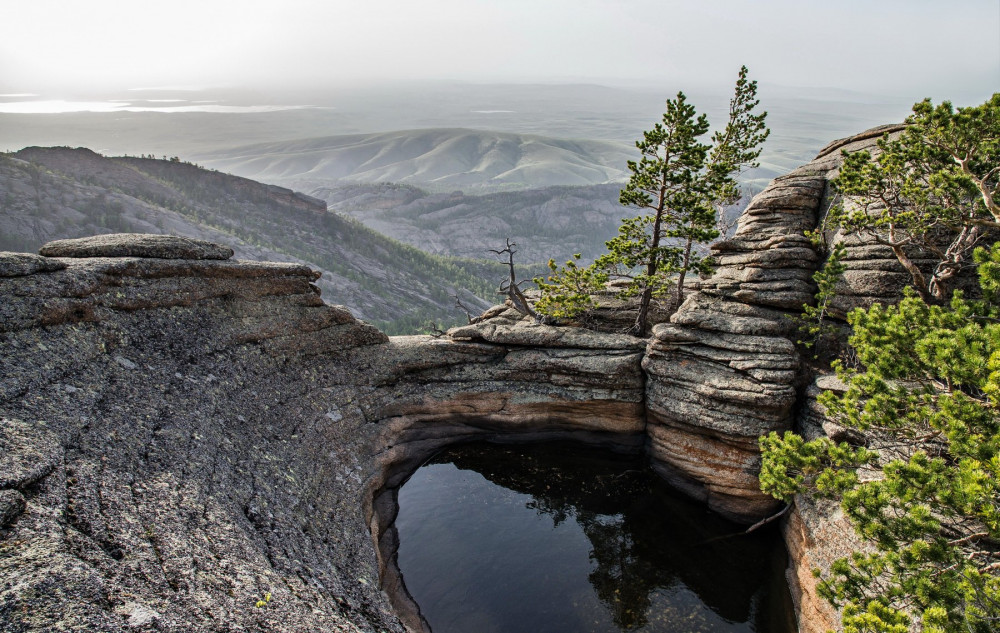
(919, 280)
(639, 329)
(950, 265)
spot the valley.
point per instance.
(454, 173)
(54, 193)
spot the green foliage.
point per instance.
(933, 189)
(679, 184)
(813, 324)
(568, 290)
(924, 490)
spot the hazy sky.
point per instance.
(924, 47)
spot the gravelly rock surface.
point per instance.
(166, 424)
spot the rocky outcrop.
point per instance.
(183, 435)
(136, 245)
(168, 454)
(506, 376)
(725, 370)
(710, 396)
(873, 274)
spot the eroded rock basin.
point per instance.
(558, 537)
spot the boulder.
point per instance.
(136, 245)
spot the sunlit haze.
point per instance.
(76, 50)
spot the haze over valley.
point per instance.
(176, 122)
(450, 135)
(452, 168)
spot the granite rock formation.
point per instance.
(168, 456)
(184, 437)
(726, 370)
(728, 354)
(136, 245)
(181, 438)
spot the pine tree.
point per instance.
(923, 487)
(934, 191)
(814, 323)
(679, 184)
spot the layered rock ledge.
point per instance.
(728, 355)
(183, 437)
(183, 434)
(167, 456)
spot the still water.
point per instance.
(559, 537)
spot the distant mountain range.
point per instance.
(435, 159)
(547, 222)
(802, 121)
(53, 193)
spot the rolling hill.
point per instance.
(52, 193)
(435, 159)
(546, 222)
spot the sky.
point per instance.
(65, 48)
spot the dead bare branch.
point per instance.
(511, 288)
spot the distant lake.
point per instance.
(558, 537)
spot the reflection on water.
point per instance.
(557, 537)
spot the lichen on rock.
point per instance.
(21, 264)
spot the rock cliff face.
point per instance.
(726, 370)
(184, 435)
(728, 354)
(170, 454)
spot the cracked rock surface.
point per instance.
(167, 455)
(181, 438)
